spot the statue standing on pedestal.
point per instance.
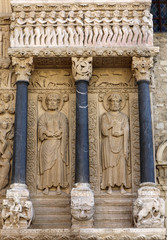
(53, 154)
(115, 145)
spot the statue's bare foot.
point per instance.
(46, 191)
(58, 190)
(109, 191)
(122, 190)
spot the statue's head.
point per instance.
(53, 101)
(32, 14)
(114, 102)
(82, 211)
(4, 125)
(22, 14)
(6, 97)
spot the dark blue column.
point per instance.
(146, 139)
(20, 134)
(82, 137)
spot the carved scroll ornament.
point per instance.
(82, 68)
(141, 67)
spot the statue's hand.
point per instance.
(58, 133)
(49, 134)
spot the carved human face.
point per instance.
(114, 102)
(4, 125)
(43, 14)
(32, 14)
(82, 212)
(53, 102)
(6, 97)
(53, 14)
(22, 14)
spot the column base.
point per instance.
(149, 208)
(17, 210)
(82, 206)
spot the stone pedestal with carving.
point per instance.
(82, 206)
(149, 208)
(17, 210)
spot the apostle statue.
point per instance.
(115, 145)
(53, 153)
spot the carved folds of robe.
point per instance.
(115, 150)
(53, 159)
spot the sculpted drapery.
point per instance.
(115, 146)
(53, 154)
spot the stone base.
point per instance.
(17, 210)
(85, 234)
(82, 206)
(149, 208)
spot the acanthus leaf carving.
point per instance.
(141, 67)
(23, 67)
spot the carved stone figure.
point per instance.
(39, 29)
(17, 211)
(127, 32)
(73, 37)
(115, 145)
(1, 43)
(116, 28)
(108, 33)
(29, 30)
(137, 35)
(79, 28)
(88, 29)
(97, 30)
(18, 30)
(147, 27)
(50, 30)
(149, 208)
(7, 103)
(62, 35)
(53, 153)
(6, 151)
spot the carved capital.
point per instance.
(17, 209)
(141, 67)
(23, 68)
(149, 208)
(82, 68)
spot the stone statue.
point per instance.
(108, 33)
(72, 34)
(79, 28)
(1, 43)
(147, 27)
(62, 35)
(39, 29)
(127, 32)
(29, 30)
(53, 154)
(7, 103)
(50, 30)
(18, 30)
(137, 35)
(6, 151)
(116, 28)
(88, 29)
(115, 145)
(97, 30)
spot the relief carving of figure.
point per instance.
(97, 30)
(147, 27)
(108, 33)
(6, 151)
(88, 28)
(62, 35)
(137, 35)
(29, 30)
(50, 30)
(127, 32)
(116, 27)
(73, 37)
(39, 30)
(18, 30)
(115, 145)
(53, 153)
(79, 28)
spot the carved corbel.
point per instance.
(23, 68)
(141, 67)
(82, 68)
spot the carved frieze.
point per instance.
(81, 28)
(4, 45)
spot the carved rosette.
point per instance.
(82, 206)
(149, 208)
(23, 68)
(82, 68)
(17, 209)
(141, 66)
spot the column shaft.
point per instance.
(146, 140)
(82, 137)
(20, 134)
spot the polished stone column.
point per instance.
(18, 193)
(148, 194)
(82, 198)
